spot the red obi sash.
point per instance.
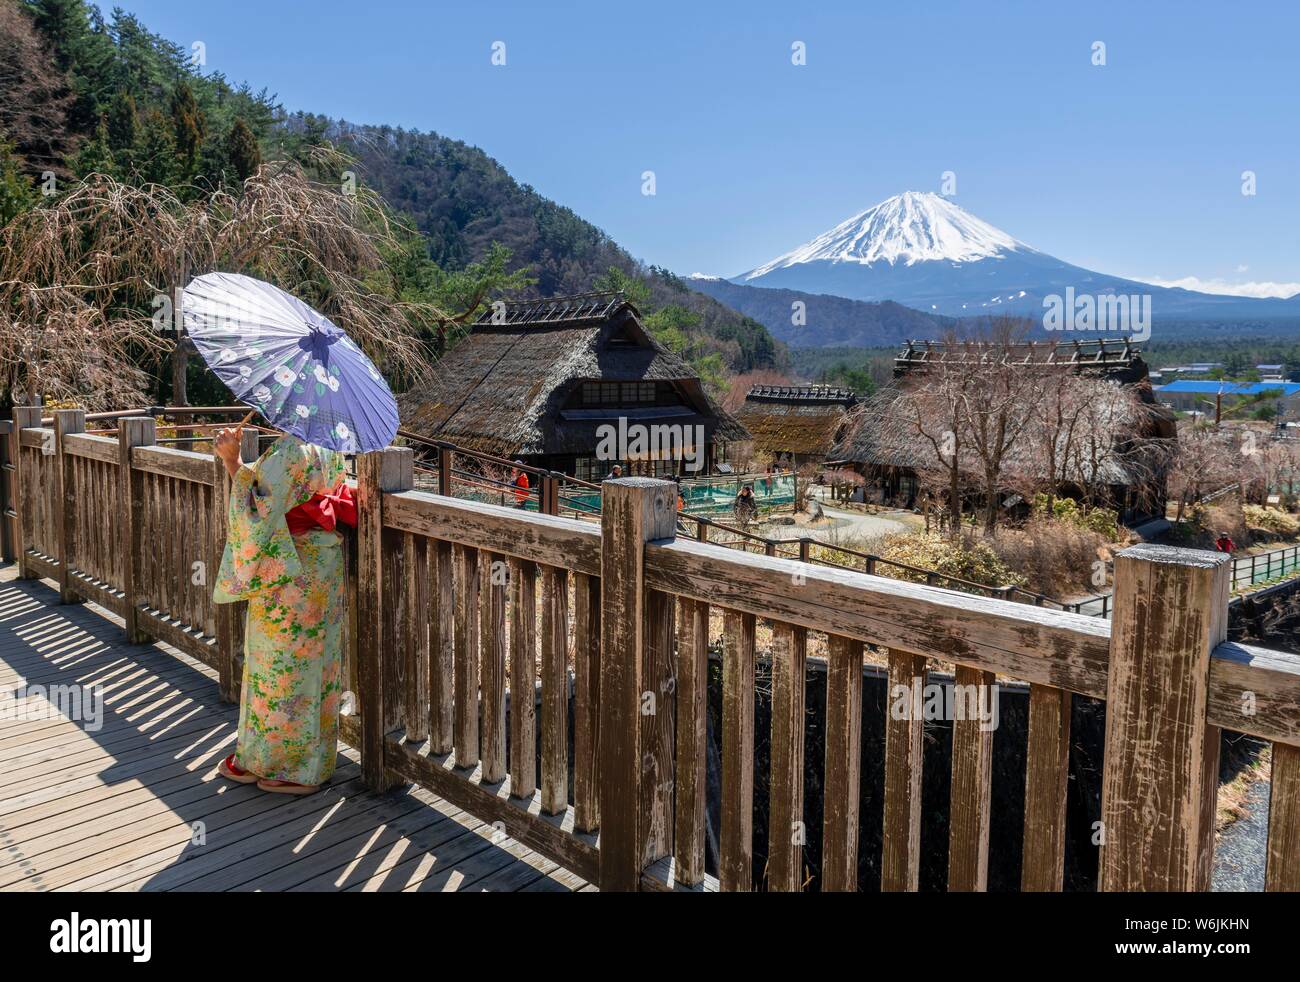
(324, 510)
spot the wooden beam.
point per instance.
(1160, 769)
(24, 417)
(1032, 644)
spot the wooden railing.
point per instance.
(549, 675)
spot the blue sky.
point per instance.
(1132, 168)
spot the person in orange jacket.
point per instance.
(521, 485)
(1224, 544)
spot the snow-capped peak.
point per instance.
(916, 226)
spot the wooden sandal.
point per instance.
(286, 787)
(233, 772)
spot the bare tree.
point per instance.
(85, 283)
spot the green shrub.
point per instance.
(1271, 520)
(1104, 521)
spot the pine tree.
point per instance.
(16, 191)
(242, 150)
(188, 127)
(95, 155)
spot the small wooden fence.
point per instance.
(484, 639)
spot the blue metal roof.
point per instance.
(1210, 387)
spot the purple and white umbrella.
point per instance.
(301, 372)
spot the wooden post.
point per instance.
(141, 432)
(635, 511)
(229, 617)
(24, 417)
(66, 421)
(391, 469)
(1161, 763)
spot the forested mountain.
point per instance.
(464, 201)
(824, 321)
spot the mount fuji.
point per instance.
(923, 251)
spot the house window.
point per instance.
(617, 393)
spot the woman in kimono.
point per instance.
(285, 558)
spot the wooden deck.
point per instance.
(138, 804)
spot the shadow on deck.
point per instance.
(137, 803)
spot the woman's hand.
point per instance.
(226, 445)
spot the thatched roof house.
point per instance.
(537, 379)
(1116, 447)
(798, 423)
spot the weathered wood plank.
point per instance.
(1282, 871)
(467, 656)
(692, 735)
(1161, 753)
(1033, 644)
(658, 725)
(900, 867)
(735, 866)
(523, 677)
(442, 647)
(89, 446)
(1256, 691)
(1047, 771)
(634, 511)
(843, 764)
(181, 465)
(492, 683)
(66, 421)
(376, 472)
(586, 701)
(416, 636)
(970, 798)
(787, 831)
(555, 690)
(546, 539)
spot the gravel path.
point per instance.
(1241, 848)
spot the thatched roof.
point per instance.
(502, 389)
(1117, 359)
(795, 419)
(872, 437)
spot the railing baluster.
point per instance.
(555, 690)
(416, 636)
(972, 774)
(467, 656)
(66, 421)
(692, 733)
(492, 676)
(1282, 870)
(735, 868)
(441, 647)
(843, 764)
(1047, 767)
(586, 701)
(787, 830)
(523, 678)
(900, 866)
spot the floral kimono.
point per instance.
(294, 585)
